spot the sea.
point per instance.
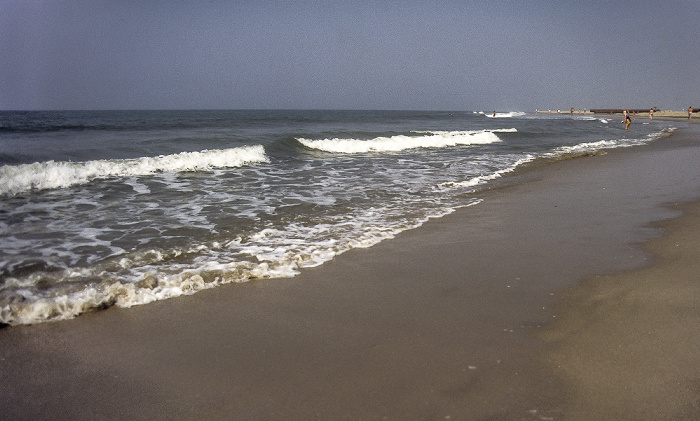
(124, 208)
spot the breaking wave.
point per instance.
(504, 115)
(436, 139)
(51, 174)
(140, 278)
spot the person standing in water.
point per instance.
(627, 120)
(690, 112)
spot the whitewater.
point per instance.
(125, 208)
(52, 175)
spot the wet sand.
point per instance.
(475, 316)
(629, 344)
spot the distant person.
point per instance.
(690, 112)
(651, 114)
(627, 120)
(494, 114)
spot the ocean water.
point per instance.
(129, 207)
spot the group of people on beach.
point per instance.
(628, 120)
(628, 116)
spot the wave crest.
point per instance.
(51, 174)
(437, 139)
(510, 114)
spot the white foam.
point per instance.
(139, 188)
(608, 144)
(590, 118)
(510, 114)
(481, 179)
(438, 139)
(50, 175)
(584, 147)
(278, 253)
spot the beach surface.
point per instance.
(569, 292)
(659, 115)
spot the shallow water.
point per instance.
(126, 207)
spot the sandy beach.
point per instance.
(672, 115)
(569, 292)
(667, 115)
(628, 343)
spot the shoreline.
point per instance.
(447, 320)
(660, 115)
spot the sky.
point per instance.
(395, 55)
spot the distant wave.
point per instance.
(591, 118)
(437, 139)
(51, 175)
(504, 115)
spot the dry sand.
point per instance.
(668, 115)
(460, 319)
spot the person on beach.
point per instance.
(627, 120)
(690, 112)
(651, 114)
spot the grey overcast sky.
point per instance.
(347, 54)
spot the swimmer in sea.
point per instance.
(627, 120)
